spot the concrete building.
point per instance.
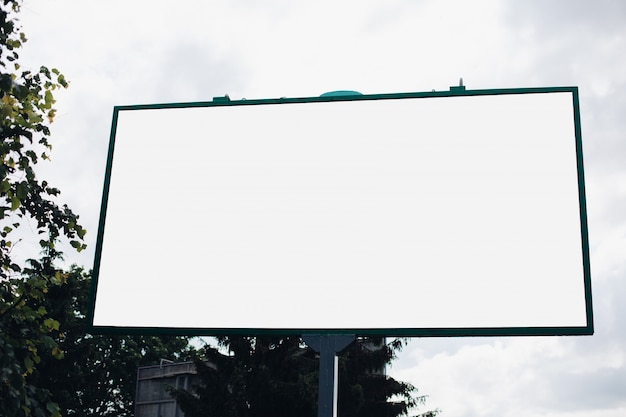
(152, 398)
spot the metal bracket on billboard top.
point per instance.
(458, 88)
(221, 99)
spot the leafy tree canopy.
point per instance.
(27, 204)
(97, 373)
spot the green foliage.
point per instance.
(262, 376)
(364, 388)
(25, 336)
(27, 204)
(96, 374)
(26, 100)
(278, 376)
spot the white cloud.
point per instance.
(517, 377)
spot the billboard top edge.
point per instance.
(453, 92)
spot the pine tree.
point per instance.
(278, 376)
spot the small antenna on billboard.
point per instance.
(460, 87)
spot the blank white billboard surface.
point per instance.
(395, 214)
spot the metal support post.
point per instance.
(328, 346)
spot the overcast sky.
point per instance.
(131, 52)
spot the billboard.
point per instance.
(453, 213)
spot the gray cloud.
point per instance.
(189, 71)
(554, 17)
(595, 390)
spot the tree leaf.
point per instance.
(51, 324)
(57, 353)
(28, 363)
(15, 203)
(5, 185)
(21, 190)
(53, 408)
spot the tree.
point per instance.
(27, 204)
(262, 376)
(278, 376)
(96, 375)
(364, 389)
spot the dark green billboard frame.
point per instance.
(405, 332)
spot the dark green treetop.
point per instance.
(278, 376)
